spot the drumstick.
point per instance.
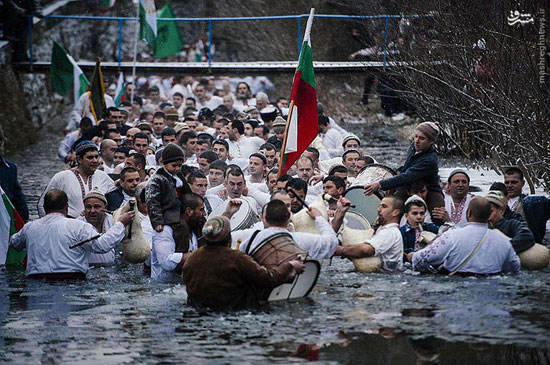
(84, 241)
(299, 198)
(330, 198)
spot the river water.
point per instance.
(119, 316)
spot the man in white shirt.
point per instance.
(204, 100)
(79, 181)
(387, 242)
(235, 185)
(332, 140)
(276, 218)
(47, 241)
(256, 172)
(241, 146)
(82, 109)
(107, 150)
(168, 253)
(458, 199)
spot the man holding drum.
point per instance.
(421, 163)
(387, 242)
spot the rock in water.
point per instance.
(135, 247)
(536, 257)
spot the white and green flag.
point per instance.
(148, 22)
(64, 72)
(119, 89)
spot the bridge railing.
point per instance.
(210, 21)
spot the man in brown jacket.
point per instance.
(220, 278)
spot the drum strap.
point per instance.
(250, 241)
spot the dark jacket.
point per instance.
(220, 278)
(409, 237)
(162, 199)
(114, 199)
(521, 237)
(418, 166)
(510, 214)
(10, 185)
(536, 211)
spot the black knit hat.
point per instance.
(172, 153)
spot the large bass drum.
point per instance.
(366, 206)
(245, 217)
(276, 250)
(373, 173)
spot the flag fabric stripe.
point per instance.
(96, 94)
(10, 223)
(64, 72)
(61, 70)
(168, 40)
(148, 22)
(119, 89)
(302, 125)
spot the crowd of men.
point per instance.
(203, 153)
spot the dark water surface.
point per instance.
(119, 316)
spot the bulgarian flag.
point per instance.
(10, 223)
(64, 73)
(148, 22)
(119, 91)
(302, 124)
(106, 5)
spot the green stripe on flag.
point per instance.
(61, 70)
(306, 65)
(168, 42)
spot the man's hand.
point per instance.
(338, 251)
(343, 204)
(223, 194)
(410, 256)
(313, 212)
(298, 266)
(440, 213)
(128, 217)
(315, 179)
(232, 207)
(371, 188)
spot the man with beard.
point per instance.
(387, 242)
(244, 96)
(304, 168)
(456, 202)
(173, 245)
(300, 187)
(349, 158)
(79, 181)
(270, 154)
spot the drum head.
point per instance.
(373, 173)
(355, 220)
(301, 286)
(239, 219)
(366, 206)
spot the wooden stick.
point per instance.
(84, 241)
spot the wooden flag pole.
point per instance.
(282, 153)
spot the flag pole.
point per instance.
(135, 56)
(283, 147)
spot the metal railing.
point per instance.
(210, 21)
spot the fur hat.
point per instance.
(216, 229)
(172, 153)
(172, 112)
(349, 137)
(430, 129)
(495, 197)
(95, 193)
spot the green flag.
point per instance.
(96, 95)
(64, 73)
(168, 40)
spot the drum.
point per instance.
(245, 217)
(350, 236)
(373, 173)
(301, 286)
(354, 220)
(276, 250)
(366, 206)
